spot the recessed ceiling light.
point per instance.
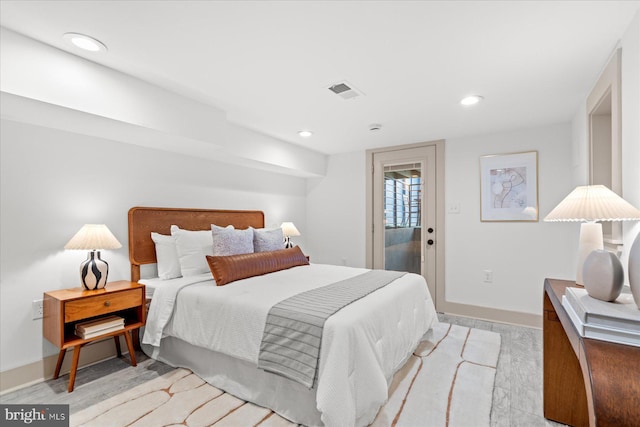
(305, 133)
(85, 42)
(471, 100)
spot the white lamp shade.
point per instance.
(93, 237)
(289, 230)
(593, 203)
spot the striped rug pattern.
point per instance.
(448, 382)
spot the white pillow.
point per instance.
(166, 256)
(268, 239)
(192, 248)
(228, 241)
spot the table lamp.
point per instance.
(93, 237)
(289, 230)
(588, 204)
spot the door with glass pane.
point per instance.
(404, 198)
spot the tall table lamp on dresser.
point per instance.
(591, 204)
(93, 237)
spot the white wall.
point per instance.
(630, 76)
(53, 182)
(520, 254)
(336, 211)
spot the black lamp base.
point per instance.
(93, 272)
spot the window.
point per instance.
(402, 196)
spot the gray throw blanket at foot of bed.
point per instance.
(293, 331)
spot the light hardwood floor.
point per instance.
(517, 395)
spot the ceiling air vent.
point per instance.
(344, 90)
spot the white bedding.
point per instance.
(362, 345)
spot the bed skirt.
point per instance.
(242, 379)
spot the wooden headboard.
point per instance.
(144, 220)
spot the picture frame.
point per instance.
(509, 187)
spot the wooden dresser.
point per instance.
(587, 382)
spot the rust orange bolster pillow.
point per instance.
(227, 269)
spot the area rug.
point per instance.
(448, 381)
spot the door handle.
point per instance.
(430, 242)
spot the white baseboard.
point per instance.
(493, 314)
(42, 370)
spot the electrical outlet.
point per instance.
(487, 276)
(37, 309)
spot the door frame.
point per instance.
(439, 300)
(605, 140)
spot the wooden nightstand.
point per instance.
(64, 308)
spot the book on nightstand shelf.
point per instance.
(87, 335)
(617, 321)
(93, 328)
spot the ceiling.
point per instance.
(269, 64)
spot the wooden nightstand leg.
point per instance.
(74, 367)
(116, 338)
(132, 353)
(135, 335)
(59, 363)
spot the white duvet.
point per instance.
(362, 345)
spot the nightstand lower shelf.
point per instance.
(80, 343)
(76, 355)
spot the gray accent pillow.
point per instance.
(268, 239)
(228, 241)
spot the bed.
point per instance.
(216, 331)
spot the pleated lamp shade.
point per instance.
(588, 204)
(593, 203)
(93, 237)
(288, 229)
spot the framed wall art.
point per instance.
(509, 187)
